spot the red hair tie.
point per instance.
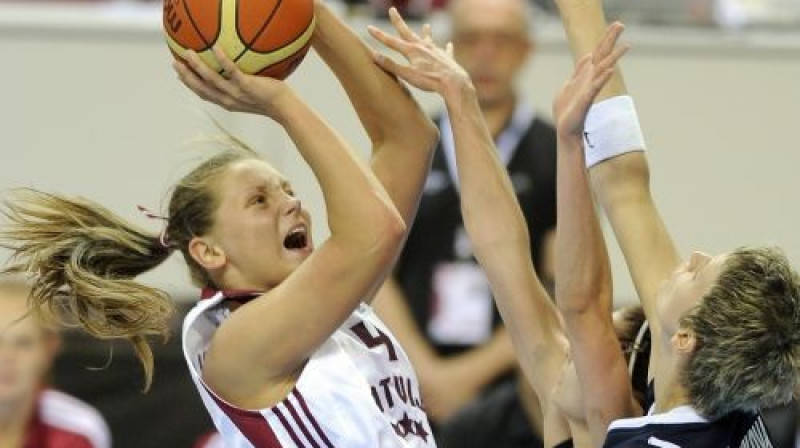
(162, 237)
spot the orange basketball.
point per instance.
(263, 37)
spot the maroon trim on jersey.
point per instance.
(252, 424)
(238, 295)
(297, 395)
(287, 426)
(299, 422)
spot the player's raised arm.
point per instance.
(402, 136)
(583, 288)
(492, 215)
(618, 168)
(711, 369)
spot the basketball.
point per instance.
(263, 37)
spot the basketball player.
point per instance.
(724, 328)
(31, 414)
(284, 349)
(498, 231)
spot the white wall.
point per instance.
(89, 106)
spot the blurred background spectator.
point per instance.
(32, 413)
(724, 13)
(734, 14)
(108, 375)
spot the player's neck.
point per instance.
(14, 418)
(498, 114)
(235, 280)
(669, 391)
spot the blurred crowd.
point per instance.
(725, 13)
(778, 14)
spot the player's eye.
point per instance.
(287, 188)
(258, 199)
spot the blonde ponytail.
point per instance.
(82, 260)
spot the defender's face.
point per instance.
(26, 352)
(260, 225)
(685, 289)
(491, 42)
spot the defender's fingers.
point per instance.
(400, 25)
(601, 80)
(609, 40)
(427, 33)
(386, 63)
(388, 40)
(582, 63)
(611, 60)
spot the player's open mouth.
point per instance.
(296, 239)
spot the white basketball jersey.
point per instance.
(357, 390)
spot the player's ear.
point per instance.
(684, 341)
(208, 255)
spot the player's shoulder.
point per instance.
(684, 427)
(750, 430)
(70, 414)
(664, 429)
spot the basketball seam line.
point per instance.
(282, 46)
(302, 51)
(247, 45)
(195, 27)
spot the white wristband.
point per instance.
(611, 129)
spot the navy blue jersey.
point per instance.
(683, 427)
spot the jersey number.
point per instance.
(371, 341)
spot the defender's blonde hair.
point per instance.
(747, 355)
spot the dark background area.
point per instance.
(108, 375)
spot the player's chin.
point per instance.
(486, 87)
(490, 94)
(298, 254)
